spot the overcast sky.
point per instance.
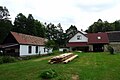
(81, 13)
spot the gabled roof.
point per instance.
(114, 36)
(28, 39)
(98, 38)
(78, 32)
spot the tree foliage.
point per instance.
(50, 44)
(40, 29)
(110, 49)
(55, 33)
(105, 26)
(71, 31)
(20, 23)
(5, 23)
(5, 27)
(4, 13)
(31, 29)
(28, 25)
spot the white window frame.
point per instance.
(79, 37)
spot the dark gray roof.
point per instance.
(114, 36)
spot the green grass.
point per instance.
(88, 66)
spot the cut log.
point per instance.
(70, 59)
(61, 58)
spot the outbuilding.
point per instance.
(18, 44)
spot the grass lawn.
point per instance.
(88, 66)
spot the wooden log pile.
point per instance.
(63, 58)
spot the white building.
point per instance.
(78, 42)
(18, 44)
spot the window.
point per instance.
(99, 37)
(36, 49)
(44, 49)
(79, 37)
(30, 49)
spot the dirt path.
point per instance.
(75, 77)
(40, 59)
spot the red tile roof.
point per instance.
(76, 44)
(28, 39)
(96, 38)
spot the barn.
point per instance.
(18, 44)
(114, 40)
(96, 42)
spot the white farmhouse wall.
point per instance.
(24, 50)
(41, 50)
(83, 38)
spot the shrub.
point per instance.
(48, 74)
(1, 54)
(26, 57)
(1, 61)
(64, 50)
(111, 50)
(7, 59)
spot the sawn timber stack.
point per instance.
(63, 58)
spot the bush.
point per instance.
(64, 50)
(1, 54)
(111, 50)
(48, 74)
(1, 61)
(26, 57)
(30, 57)
(7, 59)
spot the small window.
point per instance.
(79, 37)
(99, 37)
(44, 50)
(30, 49)
(36, 49)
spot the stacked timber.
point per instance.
(63, 58)
(70, 59)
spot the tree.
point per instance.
(56, 34)
(40, 29)
(5, 23)
(5, 28)
(60, 36)
(31, 29)
(100, 26)
(71, 31)
(28, 25)
(20, 24)
(117, 25)
(110, 49)
(4, 13)
(51, 31)
(49, 44)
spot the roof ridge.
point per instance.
(28, 39)
(25, 34)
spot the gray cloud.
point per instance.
(91, 7)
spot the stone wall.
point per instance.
(115, 45)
